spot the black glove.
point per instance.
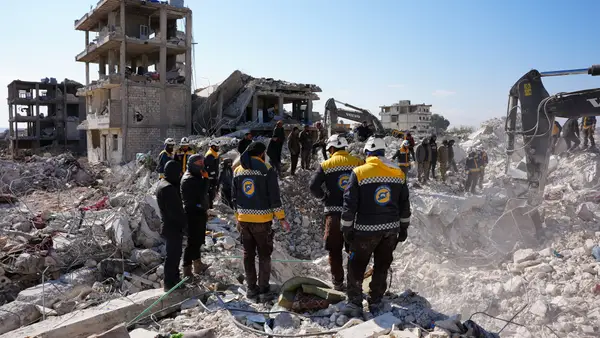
(348, 233)
(403, 234)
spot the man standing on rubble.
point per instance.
(173, 220)
(276, 147)
(403, 157)
(423, 153)
(194, 193)
(443, 159)
(306, 145)
(451, 161)
(243, 144)
(321, 140)
(363, 131)
(411, 147)
(165, 156)
(211, 163)
(473, 168)
(294, 148)
(482, 160)
(375, 218)
(556, 129)
(183, 153)
(225, 182)
(433, 161)
(571, 134)
(334, 175)
(588, 125)
(256, 200)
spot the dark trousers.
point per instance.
(212, 193)
(553, 144)
(453, 165)
(321, 146)
(334, 243)
(480, 178)
(404, 170)
(294, 159)
(226, 196)
(196, 233)
(381, 246)
(412, 153)
(572, 139)
(173, 248)
(433, 164)
(257, 238)
(305, 158)
(588, 134)
(275, 163)
(472, 179)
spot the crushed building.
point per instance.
(143, 91)
(245, 102)
(44, 113)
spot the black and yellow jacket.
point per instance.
(556, 129)
(472, 164)
(331, 179)
(182, 157)
(376, 199)
(255, 191)
(163, 158)
(588, 122)
(211, 164)
(403, 157)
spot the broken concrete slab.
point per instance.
(102, 317)
(375, 327)
(142, 333)
(15, 314)
(119, 331)
(48, 293)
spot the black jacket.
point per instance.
(434, 148)
(244, 143)
(226, 179)
(305, 140)
(571, 128)
(333, 175)
(255, 192)
(211, 163)
(376, 199)
(364, 132)
(472, 164)
(294, 144)
(194, 189)
(172, 216)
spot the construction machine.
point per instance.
(332, 113)
(538, 109)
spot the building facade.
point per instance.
(44, 113)
(406, 116)
(142, 94)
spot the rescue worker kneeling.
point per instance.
(255, 195)
(375, 217)
(334, 173)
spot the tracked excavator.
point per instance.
(538, 109)
(332, 113)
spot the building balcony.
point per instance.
(107, 82)
(95, 121)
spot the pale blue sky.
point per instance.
(460, 56)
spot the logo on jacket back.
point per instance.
(343, 181)
(248, 186)
(383, 195)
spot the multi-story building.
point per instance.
(406, 116)
(44, 113)
(142, 94)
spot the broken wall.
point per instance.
(105, 145)
(143, 105)
(177, 103)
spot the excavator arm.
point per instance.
(538, 110)
(332, 113)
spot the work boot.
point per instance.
(252, 292)
(339, 287)
(187, 271)
(377, 308)
(199, 267)
(169, 286)
(353, 310)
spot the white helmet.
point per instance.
(213, 143)
(184, 141)
(170, 142)
(374, 144)
(405, 143)
(336, 141)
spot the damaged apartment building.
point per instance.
(245, 102)
(44, 113)
(143, 91)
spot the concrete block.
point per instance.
(119, 331)
(15, 314)
(142, 333)
(375, 327)
(102, 317)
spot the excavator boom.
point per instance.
(332, 113)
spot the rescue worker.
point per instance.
(571, 134)
(423, 153)
(588, 125)
(183, 153)
(433, 161)
(321, 140)
(294, 148)
(443, 159)
(211, 163)
(195, 187)
(482, 160)
(363, 131)
(556, 129)
(306, 147)
(334, 175)
(403, 157)
(243, 144)
(451, 160)
(165, 156)
(256, 199)
(225, 182)
(173, 219)
(473, 169)
(276, 146)
(411, 147)
(375, 218)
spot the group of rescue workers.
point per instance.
(367, 208)
(570, 132)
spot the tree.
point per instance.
(439, 122)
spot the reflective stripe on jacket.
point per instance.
(163, 158)
(182, 156)
(403, 157)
